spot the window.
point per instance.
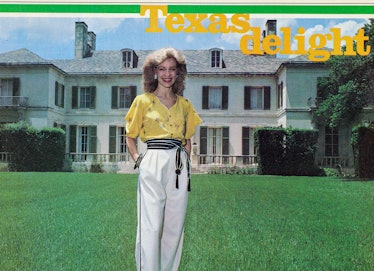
(82, 140)
(280, 96)
(117, 144)
(215, 97)
(129, 58)
(9, 89)
(122, 97)
(257, 98)
(216, 58)
(214, 143)
(84, 97)
(59, 94)
(331, 142)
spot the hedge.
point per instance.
(286, 151)
(363, 146)
(32, 149)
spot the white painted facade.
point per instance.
(285, 96)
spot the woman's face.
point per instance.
(167, 72)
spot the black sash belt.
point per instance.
(168, 144)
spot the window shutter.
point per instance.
(267, 98)
(56, 93)
(93, 138)
(203, 140)
(133, 93)
(114, 97)
(16, 83)
(73, 138)
(205, 101)
(225, 141)
(245, 140)
(74, 97)
(93, 97)
(247, 98)
(112, 139)
(63, 97)
(225, 97)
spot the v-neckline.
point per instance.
(168, 108)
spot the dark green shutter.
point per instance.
(205, 101)
(93, 97)
(56, 93)
(92, 133)
(72, 138)
(112, 139)
(63, 96)
(225, 141)
(267, 98)
(16, 90)
(225, 97)
(114, 97)
(133, 93)
(247, 98)
(74, 97)
(203, 140)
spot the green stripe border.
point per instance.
(127, 8)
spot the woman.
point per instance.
(166, 121)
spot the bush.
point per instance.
(363, 144)
(286, 152)
(32, 149)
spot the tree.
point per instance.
(349, 87)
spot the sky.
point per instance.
(52, 37)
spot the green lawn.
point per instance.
(78, 221)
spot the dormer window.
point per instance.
(129, 58)
(216, 58)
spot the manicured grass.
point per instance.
(72, 221)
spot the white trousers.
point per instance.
(161, 211)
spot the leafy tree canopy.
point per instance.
(349, 87)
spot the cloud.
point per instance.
(189, 39)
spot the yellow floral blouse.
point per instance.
(148, 118)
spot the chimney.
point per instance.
(271, 29)
(85, 41)
(91, 41)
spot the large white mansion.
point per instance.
(88, 97)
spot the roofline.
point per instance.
(299, 64)
(26, 64)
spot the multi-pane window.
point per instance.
(83, 97)
(9, 91)
(216, 58)
(331, 142)
(82, 139)
(129, 58)
(122, 97)
(257, 98)
(117, 144)
(215, 97)
(59, 94)
(214, 143)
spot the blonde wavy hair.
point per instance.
(156, 58)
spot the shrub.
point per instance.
(286, 151)
(32, 149)
(362, 141)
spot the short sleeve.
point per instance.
(134, 118)
(192, 120)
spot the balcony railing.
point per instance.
(14, 101)
(99, 157)
(206, 159)
(334, 161)
(4, 157)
